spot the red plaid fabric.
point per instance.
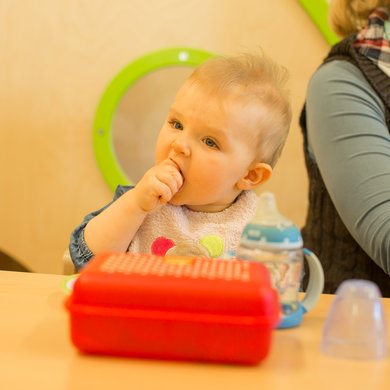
(372, 42)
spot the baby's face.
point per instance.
(212, 140)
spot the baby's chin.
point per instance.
(205, 208)
(180, 199)
(177, 200)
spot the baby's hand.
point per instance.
(158, 185)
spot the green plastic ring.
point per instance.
(318, 11)
(102, 128)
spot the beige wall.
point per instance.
(56, 59)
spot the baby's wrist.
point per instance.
(134, 203)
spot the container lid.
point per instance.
(270, 229)
(177, 284)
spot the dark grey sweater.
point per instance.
(324, 232)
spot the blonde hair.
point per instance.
(255, 78)
(350, 16)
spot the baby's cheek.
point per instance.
(162, 148)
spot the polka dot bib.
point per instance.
(175, 230)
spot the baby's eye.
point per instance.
(210, 143)
(176, 125)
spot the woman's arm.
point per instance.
(350, 141)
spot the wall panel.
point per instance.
(56, 60)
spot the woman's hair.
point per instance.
(350, 16)
(255, 79)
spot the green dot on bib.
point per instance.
(214, 244)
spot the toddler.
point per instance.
(221, 139)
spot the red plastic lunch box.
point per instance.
(173, 307)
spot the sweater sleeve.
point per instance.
(349, 139)
(78, 248)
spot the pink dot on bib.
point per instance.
(161, 245)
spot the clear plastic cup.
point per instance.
(356, 324)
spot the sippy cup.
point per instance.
(272, 239)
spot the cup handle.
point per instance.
(316, 280)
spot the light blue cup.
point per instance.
(356, 326)
(280, 248)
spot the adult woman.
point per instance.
(346, 122)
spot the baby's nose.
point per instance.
(181, 146)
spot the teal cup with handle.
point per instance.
(276, 242)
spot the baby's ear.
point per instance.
(257, 174)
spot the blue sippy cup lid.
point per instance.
(270, 229)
